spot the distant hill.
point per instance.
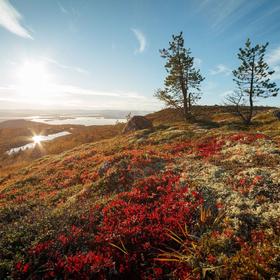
(208, 112)
(20, 124)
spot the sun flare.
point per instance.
(37, 139)
(33, 78)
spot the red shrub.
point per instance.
(126, 240)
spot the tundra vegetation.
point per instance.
(181, 201)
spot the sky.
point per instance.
(104, 54)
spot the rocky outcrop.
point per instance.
(277, 114)
(137, 123)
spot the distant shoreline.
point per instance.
(71, 120)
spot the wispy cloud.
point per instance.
(226, 93)
(72, 90)
(63, 66)
(197, 62)
(5, 88)
(62, 8)
(221, 69)
(224, 13)
(141, 40)
(273, 60)
(276, 75)
(10, 19)
(75, 90)
(72, 15)
(225, 10)
(260, 20)
(273, 57)
(56, 95)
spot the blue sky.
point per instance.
(90, 54)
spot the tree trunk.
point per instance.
(184, 89)
(249, 119)
(186, 109)
(185, 99)
(190, 103)
(244, 119)
(251, 93)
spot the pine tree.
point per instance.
(182, 84)
(252, 78)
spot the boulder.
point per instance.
(137, 123)
(277, 114)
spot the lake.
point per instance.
(81, 120)
(42, 138)
(61, 120)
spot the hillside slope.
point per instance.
(181, 201)
(16, 133)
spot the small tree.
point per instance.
(252, 78)
(182, 84)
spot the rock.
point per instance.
(137, 123)
(104, 168)
(277, 114)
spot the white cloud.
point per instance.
(10, 19)
(276, 74)
(63, 66)
(74, 90)
(4, 88)
(141, 40)
(221, 69)
(273, 57)
(71, 96)
(273, 60)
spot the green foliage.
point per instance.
(252, 78)
(182, 83)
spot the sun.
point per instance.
(37, 139)
(33, 79)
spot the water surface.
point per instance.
(32, 145)
(87, 121)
